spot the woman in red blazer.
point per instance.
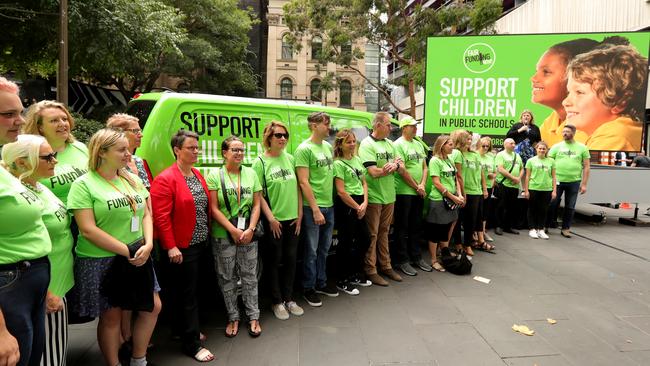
(179, 197)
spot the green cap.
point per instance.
(408, 121)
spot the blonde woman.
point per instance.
(53, 121)
(130, 125)
(31, 159)
(282, 208)
(113, 211)
(444, 199)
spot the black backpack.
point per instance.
(458, 264)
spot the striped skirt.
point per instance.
(56, 337)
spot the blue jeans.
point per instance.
(570, 191)
(22, 300)
(318, 239)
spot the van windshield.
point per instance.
(141, 109)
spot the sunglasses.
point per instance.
(279, 135)
(49, 157)
(486, 146)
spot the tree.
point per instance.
(213, 57)
(28, 41)
(399, 30)
(123, 42)
(129, 44)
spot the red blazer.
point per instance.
(174, 215)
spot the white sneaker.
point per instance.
(533, 234)
(542, 234)
(280, 312)
(294, 308)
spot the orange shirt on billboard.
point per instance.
(621, 134)
(551, 130)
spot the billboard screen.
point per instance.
(595, 81)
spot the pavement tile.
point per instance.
(554, 360)
(332, 346)
(458, 344)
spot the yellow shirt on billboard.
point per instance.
(551, 130)
(621, 134)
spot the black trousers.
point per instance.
(353, 239)
(407, 223)
(282, 254)
(537, 208)
(507, 207)
(184, 279)
(472, 213)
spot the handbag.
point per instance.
(449, 204)
(456, 264)
(259, 227)
(496, 190)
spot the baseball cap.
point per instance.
(408, 121)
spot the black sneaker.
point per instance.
(360, 280)
(347, 288)
(328, 290)
(312, 297)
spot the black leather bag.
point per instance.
(457, 264)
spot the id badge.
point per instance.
(135, 224)
(241, 223)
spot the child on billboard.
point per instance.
(606, 97)
(549, 82)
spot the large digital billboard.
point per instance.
(595, 81)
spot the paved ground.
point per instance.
(596, 285)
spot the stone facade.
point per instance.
(293, 75)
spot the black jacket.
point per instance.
(533, 133)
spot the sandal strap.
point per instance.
(203, 355)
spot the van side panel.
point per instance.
(359, 122)
(213, 122)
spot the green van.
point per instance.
(216, 117)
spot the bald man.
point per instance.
(510, 169)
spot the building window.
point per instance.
(314, 90)
(345, 91)
(346, 50)
(316, 47)
(286, 89)
(287, 50)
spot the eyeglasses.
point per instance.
(278, 135)
(49, 157)
(237, 150)
(134, 131)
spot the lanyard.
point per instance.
(128, 197)
(238, 187)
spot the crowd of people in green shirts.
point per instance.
(78, 223)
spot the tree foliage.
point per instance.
(399, 30)
(129, 44)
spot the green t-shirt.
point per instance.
(72, 163)
(446, 171)
(541, 173)
(249, 185)
(351, 172)
(318, 158)
(23, 235)
(506, 160)
(378, 153)
(281, 184)
(111, 209)
(568, 160)
(413, 154)
(471, 164)
(57, 222)
(489, 167)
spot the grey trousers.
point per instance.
(226, 256)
